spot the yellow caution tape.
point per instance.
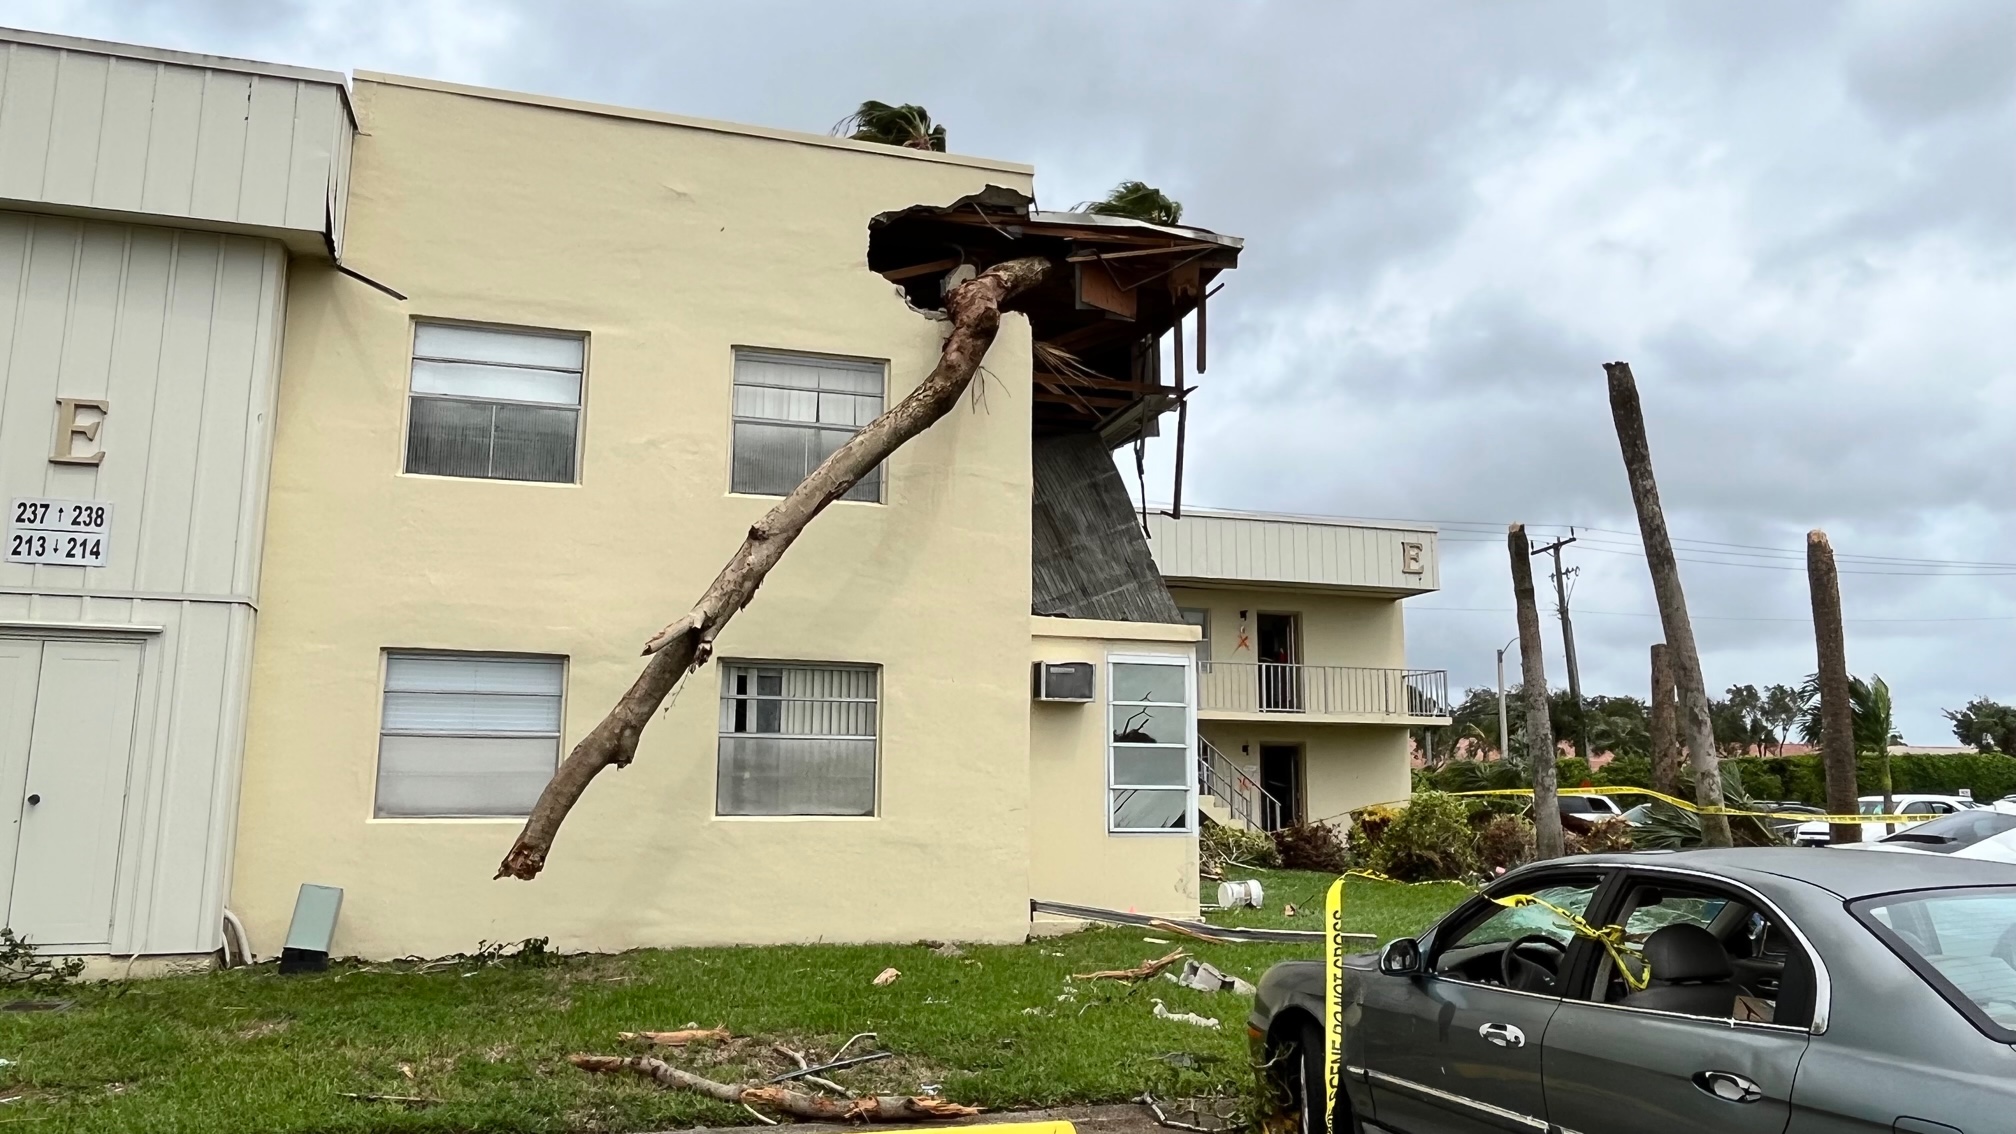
(1800, 816)
(1611, 937)
(1333, 996)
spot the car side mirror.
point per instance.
(1400, 957)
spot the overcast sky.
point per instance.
(1796, 220)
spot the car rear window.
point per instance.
(1962, 942)
(1949, 833)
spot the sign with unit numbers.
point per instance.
(67, 533)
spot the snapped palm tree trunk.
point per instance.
(975, 308)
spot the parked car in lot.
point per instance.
(1978, 832)
(1815, 834)
(1789, 990)
(1591, 807)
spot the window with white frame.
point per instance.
(467, 734)
(792, 411)
(796, 740)
(1200, 618)
(1150, 767)
(496, 404)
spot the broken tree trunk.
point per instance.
(797, 1104)
(1837, 718)
(1540, 750)
(975, 308)
(1697, 731)
(1665, 731)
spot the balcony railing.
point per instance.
(1322, 690)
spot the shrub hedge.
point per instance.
(1988, 775)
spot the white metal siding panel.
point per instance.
(119, 178)
(1290, 551)
(180, 331)
(78, 112)
(27, 105)
(84, 130)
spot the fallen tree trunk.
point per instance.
(797, 1104)
(975, 308)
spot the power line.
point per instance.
(1716, 617)
(1935, 569)
(1495, 530)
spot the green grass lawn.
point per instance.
(255, 1052)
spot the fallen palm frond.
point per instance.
(1142, 971)
(797, 1104)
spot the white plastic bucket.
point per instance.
(1232, 895)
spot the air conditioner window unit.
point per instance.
(1063, 681)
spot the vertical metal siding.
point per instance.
(180, 332)
(1259, 549)
(93, 131)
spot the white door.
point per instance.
(20, 670)
(73, 797)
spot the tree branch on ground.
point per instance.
(975, 308)
(1142, 971)
(797, 1104)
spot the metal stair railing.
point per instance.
(1248, 802)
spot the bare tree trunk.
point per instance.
(975, 308)
(1837, 717)
(1665, 732)
(1697, 731)
(1533, 689)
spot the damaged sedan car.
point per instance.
(1773, 990)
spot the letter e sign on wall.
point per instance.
(77, 423)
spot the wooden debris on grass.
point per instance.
(1142, 971)
(405, 1100)
(797, 1104)
(680, 1038)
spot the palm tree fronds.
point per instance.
(906, 125)
(1139, 200)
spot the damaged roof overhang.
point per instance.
(1096, 326)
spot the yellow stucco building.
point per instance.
(516, 375)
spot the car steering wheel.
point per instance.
(1524, 973)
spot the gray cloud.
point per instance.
(1794, 217)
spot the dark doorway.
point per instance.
(1281, 777)
(1280, 651)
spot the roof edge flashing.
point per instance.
(711, 125)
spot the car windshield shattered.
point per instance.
(1963, 942)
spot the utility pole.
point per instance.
(1568, 642)
(1504, 735)
(1533, 683)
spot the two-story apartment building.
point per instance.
(355, 433)
(1304, 695)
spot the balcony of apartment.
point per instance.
(1334, 694)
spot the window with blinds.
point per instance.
(467, 734)
(792, 411)
(496, 404)
(1152, 768)
(796, 740)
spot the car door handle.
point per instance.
(1504, 1035)
(1728, 1086)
